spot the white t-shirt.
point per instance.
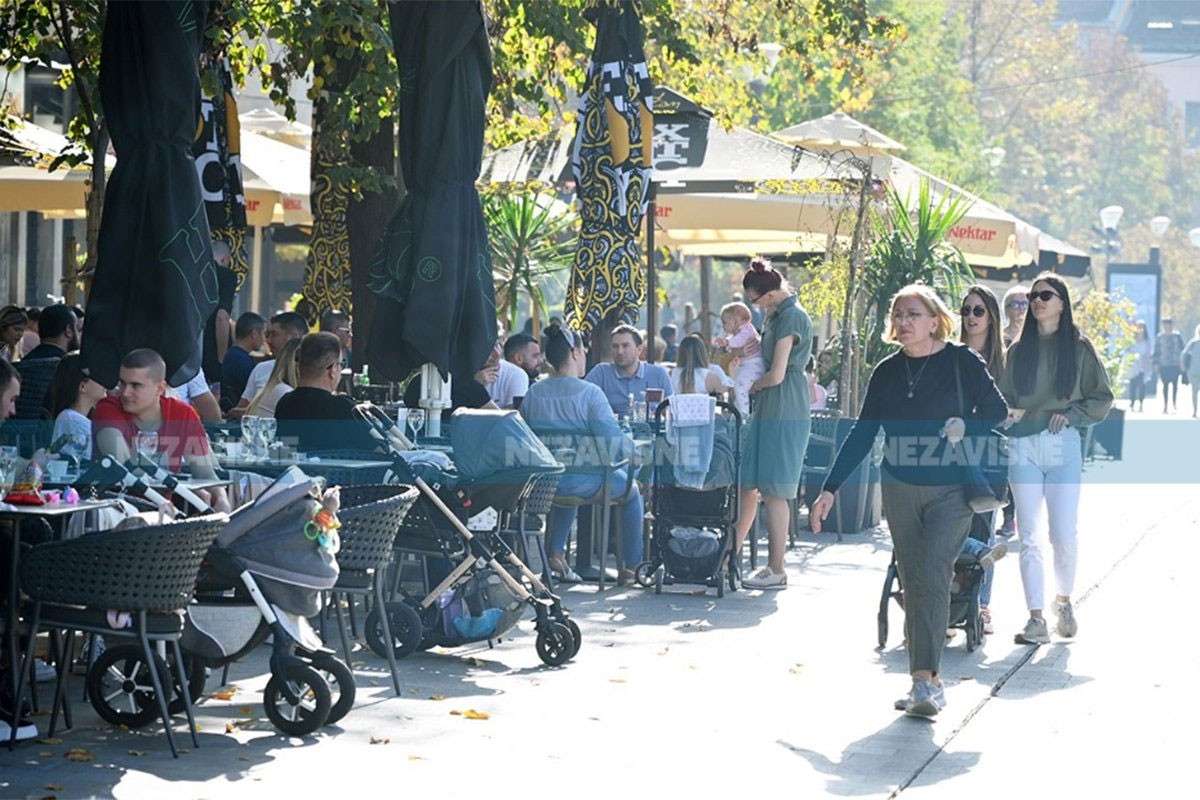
(699, 379)
(190, 390)
(258, 379)
(511, 382)
(71, 423)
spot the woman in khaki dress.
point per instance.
(775, 439)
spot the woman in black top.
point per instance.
(913, 396)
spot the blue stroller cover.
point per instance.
(488, 442)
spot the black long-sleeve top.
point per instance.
(914, 450)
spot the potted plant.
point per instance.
(1107, 321)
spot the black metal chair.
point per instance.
(536, 503)
(370, 517)
(148, 572)
(36, 374)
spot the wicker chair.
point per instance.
(370, 517)
(149, 572)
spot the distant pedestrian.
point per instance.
(1190, 363)
(671, 349)
(1016, 306)
(913, 395)
(1055, 384)
(1142, 370)
(1167, 352)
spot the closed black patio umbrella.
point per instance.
(155, 282)
(433, 271)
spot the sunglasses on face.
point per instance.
(1044, 295)
(976, 311)
(1019, 304)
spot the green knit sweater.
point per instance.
(1090, 399)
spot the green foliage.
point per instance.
(532, 243)
(1108, 321)
(910, 247)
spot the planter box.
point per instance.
(1107, 437)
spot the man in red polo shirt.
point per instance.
(140, 405)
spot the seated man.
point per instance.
(627, 375)
(140, 405)
(312, 415)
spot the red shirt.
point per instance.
(181, 434)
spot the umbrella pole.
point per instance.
(256, 270)
(651, 282)
(435, 398)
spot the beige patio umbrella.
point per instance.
(26, 181)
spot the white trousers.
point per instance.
(1044, 473)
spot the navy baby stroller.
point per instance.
(694, 515)
(964, 590)
(497, 461)
(264, 577)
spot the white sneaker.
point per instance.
(1035, 632)
(993, 554)
(1067, 626)
(26, 730)
(43, 672)
(766, 579)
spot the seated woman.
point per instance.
(565, 405)
(73, 395)
(284, 378)
(692, 373)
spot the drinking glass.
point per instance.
(147, 445)
(250, 431)
(269, 427)
(8, 468)
(416, 421)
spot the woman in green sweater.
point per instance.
(1054, 384)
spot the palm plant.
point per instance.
(532, 243)
(910, 247)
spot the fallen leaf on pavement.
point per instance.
(230, 727)
(454, 712)
(437, 697)
(616, 680)
(79, 754)
(46, 753)
(475, 662)
(54, 787)
(247, 711)
(379, 740)
(416, 758)
(50, 740)
(224, 694)
(473, 714)
(137, 752)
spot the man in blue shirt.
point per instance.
(248, 336)
(627, 374)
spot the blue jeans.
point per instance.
(579, 486)
(975, 548)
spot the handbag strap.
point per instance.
(958, 387)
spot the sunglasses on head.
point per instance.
(977, 311)
(1044, 295)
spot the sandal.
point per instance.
(562, 572)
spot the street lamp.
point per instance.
(1110, 240)
(1194, 237)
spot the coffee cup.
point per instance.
(56, 470)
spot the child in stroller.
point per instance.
(694, 493)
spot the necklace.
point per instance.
(912, 381)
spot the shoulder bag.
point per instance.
(986, 463)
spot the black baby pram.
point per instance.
(497, 461)
(264, 577)
(964, 590)
(693, 530)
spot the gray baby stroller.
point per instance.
(694, 514)
(264, 577)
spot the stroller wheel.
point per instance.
(406, 627)
(660, 575)
(721, 584)
(197, 676)
(644, 574)
(576, 635)
(298, 702)
(120, 686)
(341, 686)
(555, 644)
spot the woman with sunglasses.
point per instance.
(980, 331)
(914, 396)
(1016, 306)
(565, 408)
(1055, 384)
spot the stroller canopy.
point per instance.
(488, 442)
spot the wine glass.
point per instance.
(267, 428)
(147, 445)
(416, 421)
(250, 428)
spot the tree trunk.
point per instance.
(94, 205)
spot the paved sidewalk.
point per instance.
(758, 692)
